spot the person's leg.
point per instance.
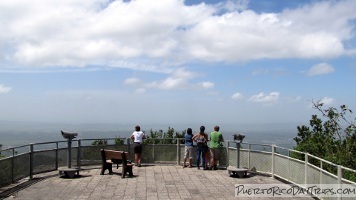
(136, 153)
(203, 151)
(139, 160)
(217, 156)
(136, 159)
(186, 153)
(198, 157)
(139, 151)
(212, 157)
(190, 151)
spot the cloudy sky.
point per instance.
(175, 61)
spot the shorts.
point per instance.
(137, 147)
(188, 151)
(214, 153)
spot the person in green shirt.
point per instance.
(216, 140)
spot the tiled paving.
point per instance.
(149, 182)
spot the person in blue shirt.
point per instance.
(188, 151)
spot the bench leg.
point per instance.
(110, 168)
(129, 169)
(106, 166)
(125, 170)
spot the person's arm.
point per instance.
(143, 135)
(193, 138)
(221, 138)
(132, 137)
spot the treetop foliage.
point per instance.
(333, 139)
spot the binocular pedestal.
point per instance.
(69, 171)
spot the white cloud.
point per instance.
(237, 96)
(131, 81)
(265, 98)
(320, 69)
(206, 85)
(183, 73)
(150, 33)
(169, 83)
(177, 79)
(327, 101)
(4, 89)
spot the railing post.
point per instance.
(306, 160)
(79, 153)
(339, 179)
(321, 172)
(153, 151)
(56, 155)
(273, 152)
(289, 171)
(13, 166)
(178, 151)
(227, 153)
(238, 146)
(128, 146)
(249, 157)
(31, 160)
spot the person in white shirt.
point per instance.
(137, 136)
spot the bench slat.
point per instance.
(111, 154)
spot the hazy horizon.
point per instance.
(22, 133)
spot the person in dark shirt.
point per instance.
(201, 139)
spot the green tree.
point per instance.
(153, 137)
(333, 140)
(99, 142)
(160, 137)
(119, 141)
(168, 136)
(180, 135)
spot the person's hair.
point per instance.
(189, 131)
(202, 129)
(216, 128)
(137, 128)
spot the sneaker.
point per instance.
(184, 166)
(190, 166)
(138, 165)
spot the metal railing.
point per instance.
(28, 160)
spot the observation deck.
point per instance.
(30, 172)
(149, 182)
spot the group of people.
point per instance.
(202, 149)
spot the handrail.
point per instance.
(266, 160)
(328, 162)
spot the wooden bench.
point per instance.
(110, 157)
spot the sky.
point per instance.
(174, 61)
